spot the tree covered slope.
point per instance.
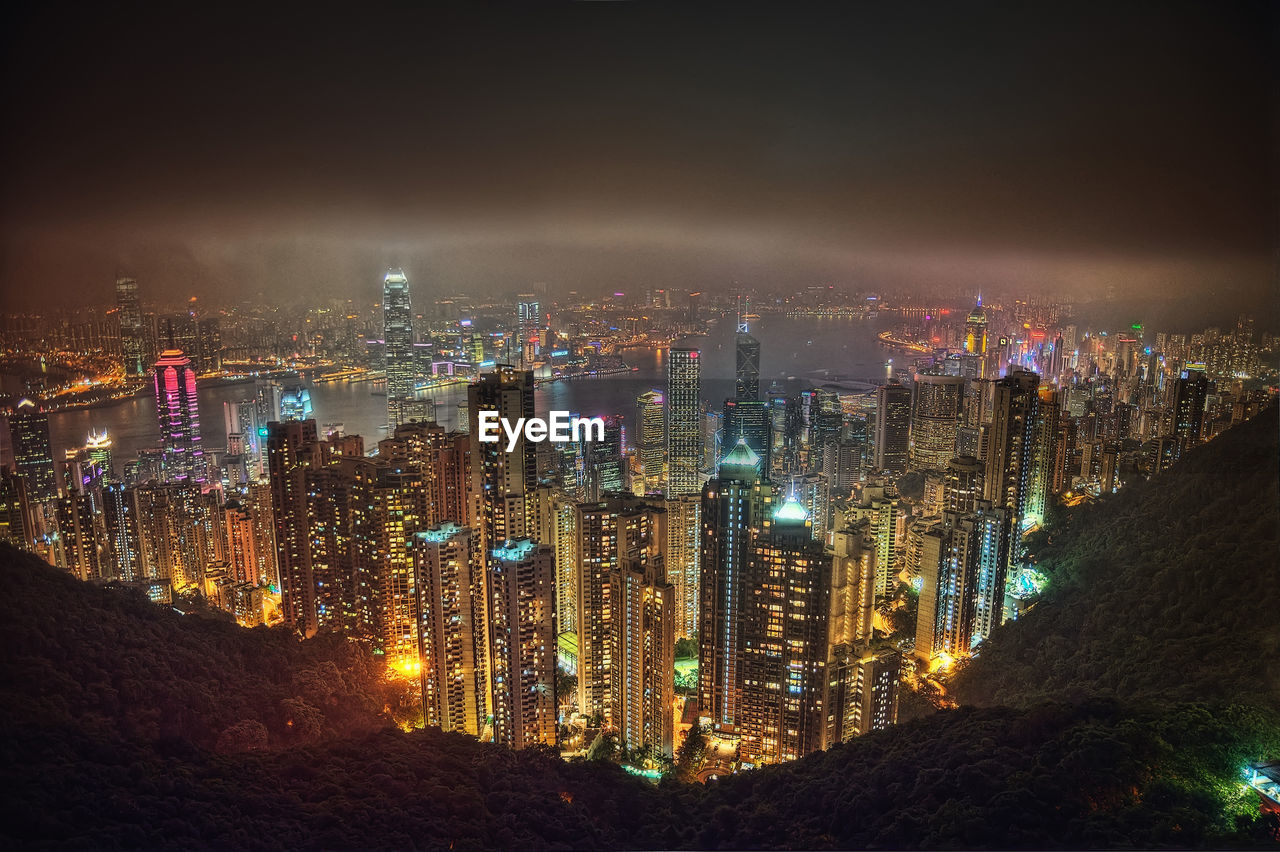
(1168, 590)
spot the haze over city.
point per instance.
(294, 150)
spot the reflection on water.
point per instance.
(793, 353)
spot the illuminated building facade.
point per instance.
(747, 372)
(453, 642)
(684, 414)
(505, 482)
(32, 454)
(893, 428)
(17, 520)
(749, 419)
(242, 544)
(1189, 397)
(962, 484)
(120, 523)
(785, 640)
(641, 684)
(650, 414)
(733, 505)
(528, 330)
(937, 404)
(1011, 444)
(683, 558)
(862, 693)
(178, 412)
(78, 536)
(398, 350)
(520, 582)
(621, 531)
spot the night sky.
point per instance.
(300, 149)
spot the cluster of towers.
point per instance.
(776, 533)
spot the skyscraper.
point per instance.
(886, 515)
(684, 439)
(242, 544)
(650, 415)
(1189, 394)
(642, 683)
(962, 484)
(604, 462)
(893, 427)
(937, 403)
(785, 639)
(683, 560)
(290, 448)
(1011, 443)
(963, 570)
(178, 410)
(522, 643)
(733, 504)
(133, 342)
(748, 363)
(610, 534)
(397, 336)
(975, 331)
(453, 642)
(528, 329)
(826, 417)
(79, 550)
(505, 481)
(1040, 487)
(32, 455)
(749, 419)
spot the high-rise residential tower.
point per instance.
(453, 642)
(504, 481)
(610, 534)
(520, 580)
(785, 639)
(1011, 444)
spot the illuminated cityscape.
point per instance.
(911, 490)
(871, 412)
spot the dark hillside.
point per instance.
(112, 664)
(1169, 590)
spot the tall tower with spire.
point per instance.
(397, 337)
(748, 360)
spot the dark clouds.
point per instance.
(237, 150)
